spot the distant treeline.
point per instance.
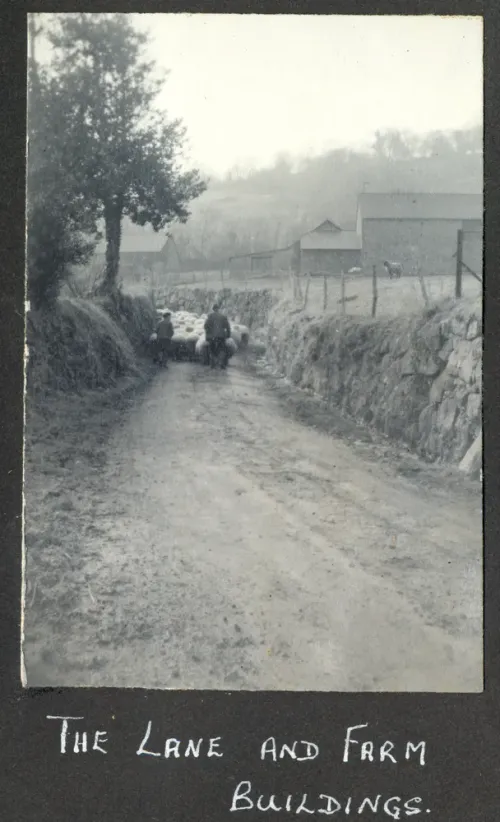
(270, 207)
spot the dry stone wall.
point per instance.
(417, 379)
(248, 307)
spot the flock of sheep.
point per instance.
(189, 340)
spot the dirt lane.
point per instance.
(224, 544)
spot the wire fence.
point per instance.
(359, 293)
(354, 294)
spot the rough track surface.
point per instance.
(213, 539)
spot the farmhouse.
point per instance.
(420, 229)
(327, 249)
(142, 251)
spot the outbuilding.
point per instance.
(143, 252)
(259, 263)
(327, 249)
(420, 229)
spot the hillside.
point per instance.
(270, 207)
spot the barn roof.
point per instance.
(267, 253)
(426, 206)
(136, 239)
(330, 240)
(327, 225)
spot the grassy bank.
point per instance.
(79, 344)
(85, 370)
(66, 443)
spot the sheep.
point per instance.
(393, 269)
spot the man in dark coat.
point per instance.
(165, 333)
(217, 331)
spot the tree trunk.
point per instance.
(113, 223)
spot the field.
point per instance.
(395, 297)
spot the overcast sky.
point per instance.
(251, 86)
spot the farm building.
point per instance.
(420, 229)
(327, 249)
(143, 252)
(261, 262)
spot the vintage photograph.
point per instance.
(253, 402)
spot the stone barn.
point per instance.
(420, 229)
(327, 249)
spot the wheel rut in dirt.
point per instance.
(223, 543)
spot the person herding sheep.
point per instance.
(217, 331)
(165, 332)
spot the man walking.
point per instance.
(165, 333)
(217, 331)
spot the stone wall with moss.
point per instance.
(417, 379)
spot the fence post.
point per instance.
(306, 296)
(422, 286)
(325, 293)
(458, 280)
(342, 290)
(375, 292)
(299, 288)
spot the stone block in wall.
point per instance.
(473, 329)
(440, 386)
(400, 343)
(430, 334)
(460, 391)
(427, 366)
(458, 325)
(445, 351)
(471, 463)
(447, 414)
(474, 406)
(431, 445)
(297, 371)
(387, 361)
(407, 366)
(472, 360)
(464, 358)
(477, 376)
(427, 422)
(367, 367)
(419, 362)
(456, 445)
(403, 407)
